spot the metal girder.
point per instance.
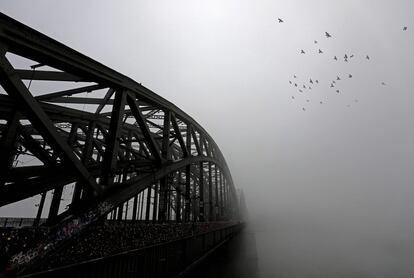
(70, 92)
(15, 87)
(155, 151)
(112, 140)
(47, 75)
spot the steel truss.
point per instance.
(67, 121)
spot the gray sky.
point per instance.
(228, 63)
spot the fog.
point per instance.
(329, 189)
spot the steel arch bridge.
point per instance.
(71, 124)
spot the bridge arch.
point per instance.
(69, 123)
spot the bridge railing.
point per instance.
(160, 260)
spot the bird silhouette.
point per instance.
(352, 56)
(320, 51)
(309, 87)
(307, 100)
(335, 58)
(327, 35)
(332, 85)
(317, 82)
(290, 82)
(303, 108)
(405, 28)
(315, 42)
(350, 75)
(333, 81)
(383, 83)
(304, 86)
(367, 57)
(294, 76)
(293, 97)
(337, 78)
(337, 91)
(320, 102)
(311, 81)
(300, 91)
(280, 20)
(296, 85)
(302, 51)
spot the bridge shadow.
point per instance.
(235, 258)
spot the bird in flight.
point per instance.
(309, 87)
(352, 56)
(350, 75)
(296, 85)
(317, 81)
(304, 87)
(367, 57)
(293, 97)
(383, 83)
(290, 82)
(320, 51)
(327, 35)
(315, 42)
(337, 91)
(320, 102)
(311, 81)
(332, 85)
(307, 100)
(294, 76)
(300, 91)
(405, 28)
(303, 108)
(335, 58)
(280, 20)
(302, 51)
(337, 78)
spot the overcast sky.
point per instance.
(228, 65)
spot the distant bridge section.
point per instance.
(88, 146)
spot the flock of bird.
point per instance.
(333, 84)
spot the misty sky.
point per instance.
(228, 63)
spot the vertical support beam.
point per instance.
(54, 205)
(112, 139)
(8, 145)
(217, 197)
(142, 205)
(120, 212)
(155, 207)
(187, 193)
(201, 189)
(210, 194)
(221, 196)
(147, 210)
(134, 208)
(40, 209)
(86, 154)
(178, 199)
(165, 154)
(225, 205)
